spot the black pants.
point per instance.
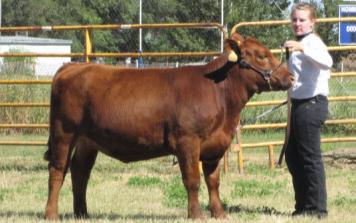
(303, 154)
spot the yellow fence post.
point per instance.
(88, 45)
(271, 156)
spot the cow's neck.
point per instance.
(236, 95)
(239, 91)
(229, 78)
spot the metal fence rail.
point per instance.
(88, 40)
(88, 54)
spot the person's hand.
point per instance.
(293, 45)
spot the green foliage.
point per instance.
(77, 12)
(17, 65)
(175, 193)
(81, 12)
(257, 10)
(26, 94)
(143, 181)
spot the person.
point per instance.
(310, 64)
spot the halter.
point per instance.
(266, 74)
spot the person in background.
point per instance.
(310, 64)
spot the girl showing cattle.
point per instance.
(310, 64)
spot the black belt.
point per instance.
(318, 97)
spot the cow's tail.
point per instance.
(47, 154)
(53, 106)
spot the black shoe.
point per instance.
(316, 213)
(297, 213)
(310, 213)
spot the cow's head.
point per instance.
(258, 66)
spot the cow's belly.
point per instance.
(126, 151)
(135, 153)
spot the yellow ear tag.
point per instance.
(232, 57)
(238, 42)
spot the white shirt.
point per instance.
(311, 68)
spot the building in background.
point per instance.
(42, 66)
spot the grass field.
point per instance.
(151, 191)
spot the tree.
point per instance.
(49, 12)
(257, 10)
(81, 12)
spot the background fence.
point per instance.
(24, 97)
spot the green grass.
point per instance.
(254, 187)
(152, 191)
(344, 201)
(175, 193)
(143, 181)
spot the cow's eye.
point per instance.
(261, 58)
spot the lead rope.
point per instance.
(287, 132)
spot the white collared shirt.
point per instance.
(311, 68)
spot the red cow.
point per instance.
(138, 114)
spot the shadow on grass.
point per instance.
(114, 217)
(159, 217)
(24, 167)
(93, 217)
(254, 210)
(20, 214)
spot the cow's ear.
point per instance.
(219, 69)
(232, 49)
(238, 38)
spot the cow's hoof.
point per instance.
(51, 216)
(196, 215)
(218, 212)
(221, 215)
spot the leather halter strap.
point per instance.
(266, 74)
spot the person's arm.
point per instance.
(315, 51)
(318, 53)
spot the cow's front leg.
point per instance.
(188, 158)
(212, 178)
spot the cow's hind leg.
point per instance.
(188, 158)
(82, 163)
(212, 178)
(60, 146)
